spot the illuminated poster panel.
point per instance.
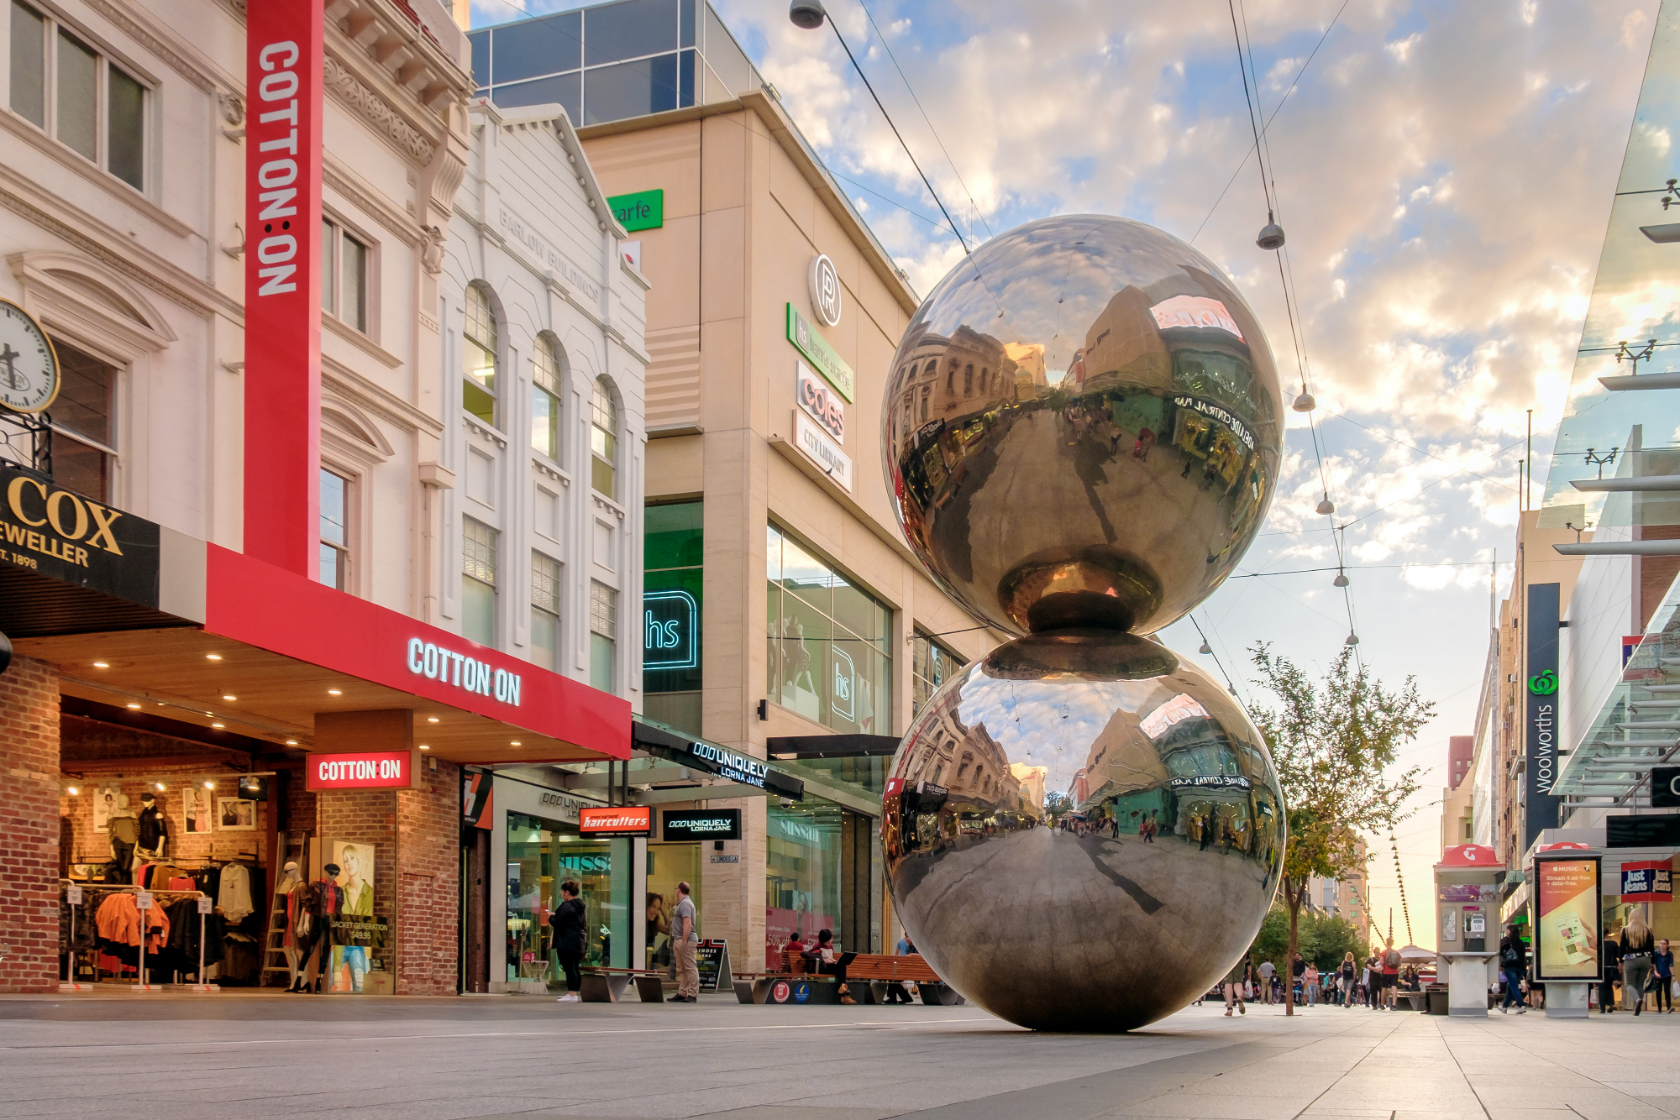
(1568, 903)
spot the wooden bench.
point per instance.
(867, 975)
(608, 985)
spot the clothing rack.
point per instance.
(118, 888)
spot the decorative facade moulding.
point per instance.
(376, 110)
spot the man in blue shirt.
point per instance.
(1662, 963)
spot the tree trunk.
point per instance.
(1293, 899)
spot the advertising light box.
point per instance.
(626, 820)
(368, 770)
(1567, 909)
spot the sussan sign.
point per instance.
(62, 534)
(373, 770)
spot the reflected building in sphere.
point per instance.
(1081, 434)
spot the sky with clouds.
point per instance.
(1444, 171)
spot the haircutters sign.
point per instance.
(372, 770)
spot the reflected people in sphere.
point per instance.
(1082, 427)
(1103, 814)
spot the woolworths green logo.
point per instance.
(1543, 684)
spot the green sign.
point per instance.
(641, 210)
(817, 351)
(1543, 684)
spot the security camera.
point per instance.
(808, 15)
(787, 802)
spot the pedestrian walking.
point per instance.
(569, 922)
(1511, 955)
(684, 940)
(1312, 984)
(1235, 982)
(1611, 951)
(1390, 975)
(1345, 994)
(1637, 947)
(1267, 971)
(1662, 966)
(1298, 980)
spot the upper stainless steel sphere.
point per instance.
(1082, 427)
(1099, 926)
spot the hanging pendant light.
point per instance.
(1326, 507)
(1271, 237)
(1304, 402)
(1352, 639)
(1206, 649)
(1341, 579)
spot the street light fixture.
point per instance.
(1327, 507)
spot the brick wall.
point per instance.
(415, 836)
(29, 843)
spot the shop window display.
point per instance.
(668, 865)
(541, 854)
(802, 873)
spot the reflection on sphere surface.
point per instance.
(1081, 427)
(1099, 927)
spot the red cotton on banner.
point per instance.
(283, 79)
(369, 770)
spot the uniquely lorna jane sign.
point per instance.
(702, 824)
(371, 770)
(434, 662)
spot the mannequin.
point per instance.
(123, 830)
(323, 901)
(290, 888)
(153, 826)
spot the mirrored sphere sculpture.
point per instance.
(1081, 831)
(1081, 427)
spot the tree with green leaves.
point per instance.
(1333, 742)
(1321, 938)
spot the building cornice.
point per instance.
(358, 390)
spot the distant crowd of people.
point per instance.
(1371, 983)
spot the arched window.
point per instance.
(951, 377)
(545, 398)
(968, 381)
(985, 376)
(603, 439)
(478, 354)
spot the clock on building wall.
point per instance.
(28, 363)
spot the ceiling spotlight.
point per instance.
(1327, 507)
(335, 692)
(431, 719)
(229, 696)
(72, 790)
(1352, 639)
(1304, 402)
(517, 743)
(212, 657)
(1271, 237)
(208, 784)
(1341, 579)
(807, 15)
(291, 742)
(424, 747)
(136, 707)
(1205, 650)
(159, 787)
(218, 725)
(101, 664)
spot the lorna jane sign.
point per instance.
(374, 770)
(432, 661)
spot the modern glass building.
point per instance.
(614, 61)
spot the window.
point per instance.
(545, 400)
(68, 89)
(603, 634)
(344, 276)
(672, 589)
(545, 610)
(478, 582)
(335, 536)
(478, 387)
(83, 420)
(932, 664)
(829, 656)
(603, 439)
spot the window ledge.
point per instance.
(546, 466)
(26, 131)
(367, 345)
(607, 503)
(474, 424)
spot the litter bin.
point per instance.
(1437, 1001)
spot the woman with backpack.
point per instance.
(1511, 955)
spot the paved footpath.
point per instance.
(183, 1057)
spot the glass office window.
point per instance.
(630, 89)
(545, 610)
(672, 591)
(106, 126)
(478, 582)
(603, 635)
(537, 46)
(126, 127)
(29, 64)
(545, 399)
(564, 89)
(931, 665)
(801, 873)
(629, 30)
(829, 657)
(78, 95)
(335, 533)
(478, 351)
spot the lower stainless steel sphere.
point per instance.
(1082, 832)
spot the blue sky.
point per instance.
(1444, 172)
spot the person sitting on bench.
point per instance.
(831, 963)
